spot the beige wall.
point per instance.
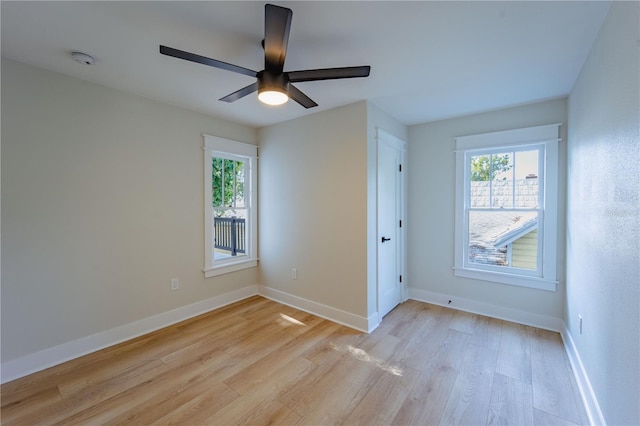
(313, 207)
(603, 216)
(101, 206)
(432, 202)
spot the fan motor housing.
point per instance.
(272, 81)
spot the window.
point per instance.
(506, 206)
(230, 177)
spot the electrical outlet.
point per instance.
(175, 284)
(580, 323)
(294, 273)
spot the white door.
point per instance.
(390, 235)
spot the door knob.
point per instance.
(385, 239)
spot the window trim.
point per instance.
(546, 135)
(215, 146)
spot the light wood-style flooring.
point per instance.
(260, 362)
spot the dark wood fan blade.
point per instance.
(301, 98)
(240, 93)
(329, 73)
(277, 23)
(180, 54)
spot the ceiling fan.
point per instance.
(273, 83)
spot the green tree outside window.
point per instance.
(227, 183)
(486, 167)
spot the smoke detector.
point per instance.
(83, 58)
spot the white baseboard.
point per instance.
(481, 308)
(373, 321)
(336, 315)
(584, 384)
(46, 358)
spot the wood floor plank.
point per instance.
(155, 389)
(514, 356)
(264, 341)
(303, 396)
(554, 388)
(351, 383)
(298, 323)
(268, 311)
(199, 347)
(390, 392)
(169, 402)
(266, 367)
(96, 376)
(426, 402)
(128, 359)
(272, 413)
(18, 390)
(260, 362)
(325, 350)
(114, 374)
(213, 325)
(221, 317)
(471, 393)
(337, 362)
(258, 305)
(13, 410)
(195, 378)
(541, 418)
(464, 322)
(199, 409)
(511, 402)
(487, 332)
(420, 350)
(264, 399)
(66, 407)
(410, 320)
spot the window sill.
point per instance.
(230, 267)
(511, 279)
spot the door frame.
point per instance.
(383, 137)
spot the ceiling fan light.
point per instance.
(271, 96)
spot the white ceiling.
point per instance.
(429, 60)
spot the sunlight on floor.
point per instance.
(286, 321)
(362, 355)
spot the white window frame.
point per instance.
(547, 137)
(468, 154)
(224, 148)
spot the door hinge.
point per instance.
(400, 278)
(399, 167)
